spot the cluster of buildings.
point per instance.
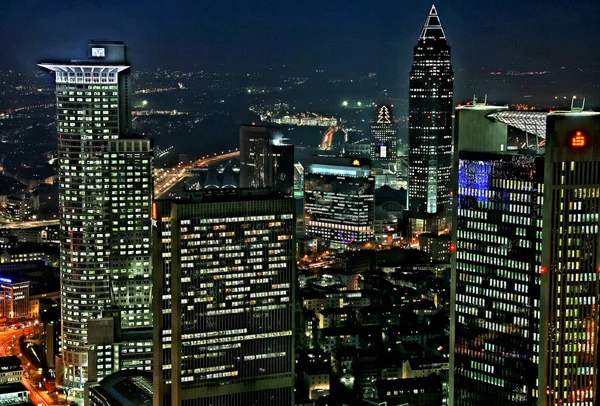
(237, 293)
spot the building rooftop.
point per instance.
(10, 361)
(126, 388)
(225, 195)
(12, 388)
(428, 384)
(337, 310)
(433, 27)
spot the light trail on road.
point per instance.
(166, 179)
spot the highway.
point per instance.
(28, 224)
(166, 179)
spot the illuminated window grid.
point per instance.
(497, 280)
(236, 288)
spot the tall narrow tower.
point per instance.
(105, 193)
(570, 266)
(265, 160)
(430, 122)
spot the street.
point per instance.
(32, 376)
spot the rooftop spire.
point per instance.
(433, 27)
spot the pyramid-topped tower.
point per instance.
(433, 27)
(430, 129)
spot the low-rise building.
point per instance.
(113, 349)
(11, 370)
(424, 367)
(336, 317)
(415, 392)
(317, 378)
(123, 388)
(14, 394)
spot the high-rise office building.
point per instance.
(105, 222)
(570, 269)
(225, 271)
(525, 280)
(265, 160)
(430, 123)
(495, 284)
(339, 200)
(384, 142)
(496, 325)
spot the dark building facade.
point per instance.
(384, 143)
(265, 161)
(223, 321)
(339, 200)
(430, 122)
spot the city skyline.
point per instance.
(197, 36)
(272, 203)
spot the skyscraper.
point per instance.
(430, 123)
(105, 222)
(497, 300)
(265, 160)
(384, 143)
(525, 280)
(339, 200)
(570, 270)
(495, 280)
(223, 328)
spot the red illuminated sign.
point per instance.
(452, 247)
(154, 211)
(543, 269)
(578, 140)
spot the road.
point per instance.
(29, 224)
(9, 345)
(166, 179)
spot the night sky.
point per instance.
(345, 36)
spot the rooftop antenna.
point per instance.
(577, 109)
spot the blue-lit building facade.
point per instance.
(525, 281)
(497, 285)
(339, 200)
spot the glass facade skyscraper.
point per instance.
(525, 284)
(497, 283)
(570, 270)
(265, 160)
(430, 122)
(223, 323)
(105, 223)
(339, 200)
